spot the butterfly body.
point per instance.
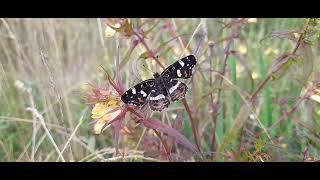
(163, 88)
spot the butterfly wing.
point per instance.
(180, 69)
(137, 95)
(158, 101)
(177, 90)
(158, 97)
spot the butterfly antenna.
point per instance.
(144, 65)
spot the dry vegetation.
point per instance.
(254, 95)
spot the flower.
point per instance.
(254, 75)
(103, 113)
(121, 25)
(107, 107)
(242, 48)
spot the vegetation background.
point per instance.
(254, 95)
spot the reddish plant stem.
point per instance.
(240, 141)
(117, 65)
(117, 127)
(112, 83)
(301, 38)
(259, 89)
(173, 31)
(164, 145)
(148, 49)
(234, 35)
(293, 109)
(128, 54)
(214, 111)
(157, 133)
(147, 21)
(193, 85)
(194, 99)
(214, 117)
(193, 125)
(306, 153)
(283, 117)
(261, 86)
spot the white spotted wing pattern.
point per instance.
(163, 88)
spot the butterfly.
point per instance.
(162, 87)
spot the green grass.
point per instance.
(267, 106)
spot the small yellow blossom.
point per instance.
(270, 50)
(296, 35)
(242, 48)
(254, 75)
(283, 145)
(176, 50)
(267, 51)
(275, 51)
(239, 69)
(103, 113)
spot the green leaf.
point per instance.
(259, 145)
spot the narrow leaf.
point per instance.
(158, 125)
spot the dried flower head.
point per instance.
(107, 107)
(103, 113)
(120, 25)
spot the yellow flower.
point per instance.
(242, 48)
(283, 145)
(104, 112)
(267, 51)
(254, 75)
(275, 51)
